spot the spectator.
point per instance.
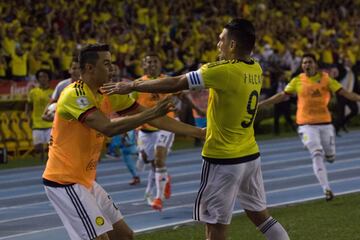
(19, 63)
(3, 67)
(37, 102)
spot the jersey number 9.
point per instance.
(251, 110)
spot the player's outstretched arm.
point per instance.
(177, 127)
(160, 85)
(172, 125)
(98, 121)
(279, 97)
(349, 95)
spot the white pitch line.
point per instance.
(158, 227)
(32, 232)
(187, 173)
(263, 152)
(180, 222)
(139, 200)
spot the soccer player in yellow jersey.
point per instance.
(313, 89)
(38, 98)
(79, 129)
(231, 159)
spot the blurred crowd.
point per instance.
(46, 34)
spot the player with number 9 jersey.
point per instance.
(231, 159)
(234, 89)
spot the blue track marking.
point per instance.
(26, 214)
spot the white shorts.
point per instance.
(149, 141)
(222, 184)
(41, 136)
(318, 137)
(86, 214)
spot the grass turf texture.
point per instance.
(320, 220)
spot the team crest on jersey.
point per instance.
(82, 102)
(99, 221)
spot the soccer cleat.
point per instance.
(329, 195)
(167, 190)
(135, 181)
(157, 204)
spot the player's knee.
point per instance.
(103, 237)
(129, 235)
(121, 231)
(317, 153)
(159, 162)
(257, 217)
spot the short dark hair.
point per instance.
(89, 53)
(243, 32)
(43, 70)
(309, 55)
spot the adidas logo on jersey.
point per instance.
(316, 93)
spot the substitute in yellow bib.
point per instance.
(313, 89)
(81, 123)
(231, 165)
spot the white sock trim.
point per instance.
(265, 226)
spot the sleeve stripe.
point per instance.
(337, 91)
(192, 78)
(197, 77)
(195, 80)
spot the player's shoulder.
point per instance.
(33, 90)
(217, 64)
(76, 93)
(232, 63)
(295, 78)
(76, 89)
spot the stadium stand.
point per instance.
(8, 138)
(183, 33)
(15, 134)
(47, 34)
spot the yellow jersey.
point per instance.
(74, 147)
(234, 90)
(39, 99)
(19, 65)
